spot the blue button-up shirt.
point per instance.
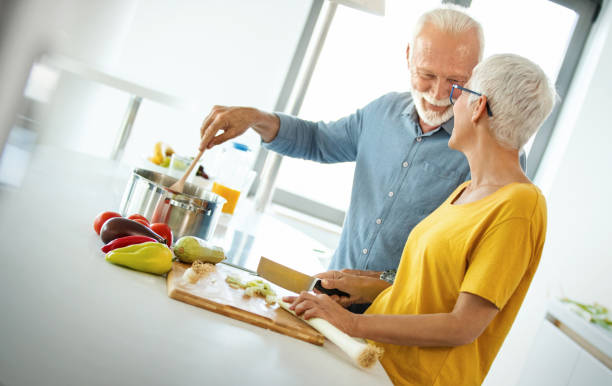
(401, 174)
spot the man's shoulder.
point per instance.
(392, 102)
(402, 98)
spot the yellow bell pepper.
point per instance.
(148, 257)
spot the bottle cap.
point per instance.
(241, 147)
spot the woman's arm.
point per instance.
(468, 319)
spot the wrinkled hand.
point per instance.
(309, 306)
(234, 121)
(361, 288)
(230, 121)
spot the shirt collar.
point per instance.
(410, 111)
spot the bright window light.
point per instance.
(364, 58)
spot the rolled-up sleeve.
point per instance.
(329, 142)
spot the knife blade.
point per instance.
(240, 268)
(291, 279)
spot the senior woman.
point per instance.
(465, 268)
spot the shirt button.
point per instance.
(405, 164)
(378, 221)
(419, 139)
(390, 194)
(365, 251)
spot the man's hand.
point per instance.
(359, 272)
(234, 121)
(309, 306)
(362, 288)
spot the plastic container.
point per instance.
(233, 175)
(178, 165)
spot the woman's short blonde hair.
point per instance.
(519, 93)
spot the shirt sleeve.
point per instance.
(327, 142)
(499, 261)
(523, 159)
(318, 141)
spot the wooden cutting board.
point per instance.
(212, 293)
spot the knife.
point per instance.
(240, 268)
(291, 279)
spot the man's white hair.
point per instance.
(452, 19)
(519, 93)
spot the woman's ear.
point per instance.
(480, 109)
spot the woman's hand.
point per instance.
(309, 306)
(362, 288)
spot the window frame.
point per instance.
(586, 11)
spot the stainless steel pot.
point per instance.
(194, 212)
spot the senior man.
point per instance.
(399, 142)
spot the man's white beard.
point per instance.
(432, 118)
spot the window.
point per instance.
(364, 57)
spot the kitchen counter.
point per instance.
(71, 318)
(593, 338)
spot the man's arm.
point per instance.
(386, 275)
(326, 142)
(360, 285)
(234, 121)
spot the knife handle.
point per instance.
(329, 291)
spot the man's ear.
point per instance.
(480, 109)
(408, 54)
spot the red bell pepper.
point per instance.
(125, 241)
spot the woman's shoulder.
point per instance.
(522, 199)
(526, 190)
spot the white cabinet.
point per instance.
(551, 358)
(555, 358)
(590, 371)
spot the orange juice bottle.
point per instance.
(229, 194)
(234, 166)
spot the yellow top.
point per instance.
(490, 248)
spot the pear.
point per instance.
(190, 248)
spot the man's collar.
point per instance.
(449, 125)
(411, 112)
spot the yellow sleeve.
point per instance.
(499, 261)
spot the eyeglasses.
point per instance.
(456, 86)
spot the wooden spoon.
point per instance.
(179, 185)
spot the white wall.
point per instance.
(85, 30)
(216, 51)
(91, 32)
(575, 178)
(578, 255)
(224, 52)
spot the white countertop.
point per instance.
(71, 318)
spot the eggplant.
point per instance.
(120, 227)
